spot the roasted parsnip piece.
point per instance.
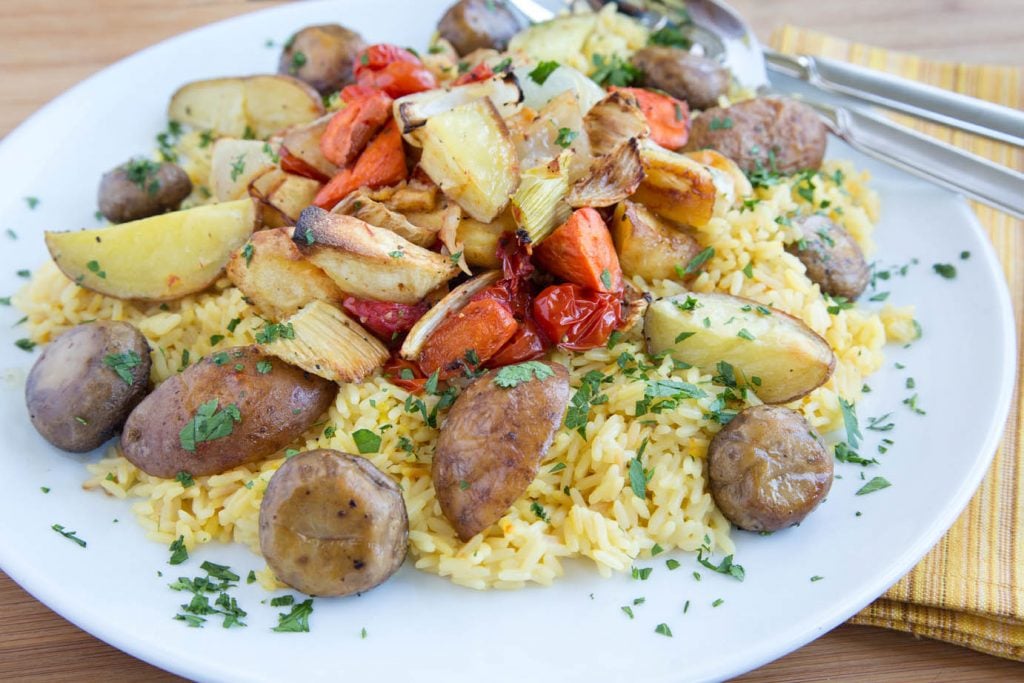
(469, 154)
(774, 354)
(327, 343)
(270, 270)
(368, 262)
(676, 187)
(303, 143)
(359, 205)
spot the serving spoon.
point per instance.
(721, 34)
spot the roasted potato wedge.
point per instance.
(235, 406)
(676, 187)
(276, 278)
(491, 446)
(262, 105)
(480, 240)
(610, 179)
(774, 354)
(159, 258)
(359, 205)
(647, 245)
(303, 143)
(369, 262)
(329, 344)
(235, 164)
(712, 159)
(469, 154)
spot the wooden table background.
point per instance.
(46, 46)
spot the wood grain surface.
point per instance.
(46, 46)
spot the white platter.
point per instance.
(419, 625)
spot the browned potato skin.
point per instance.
(332, 524)
(768, 469)
(833, 259)
(122, 199)
(276, 407)
(790, 129)
(476, 24)
(330, 52)
(698, 80)
(76, 401)
(491, 446)
(647, 245)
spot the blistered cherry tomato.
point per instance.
(577, 318)
(386, 319)
(528, 343)
(480, 72)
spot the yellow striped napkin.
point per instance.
(969, 590)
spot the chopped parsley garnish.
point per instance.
(614, 70)
(233, 323)
(296, 621)
(219, 579)
(638, 476)
(683, 336)
(628, 610)
(25, 344)
(70, 535)
(689, 304)
(606, 279)
(853, 434)
(557, 467)
(94, 267)
(816, 578)
(263, 367)
(946, 270)
(699, 260)
(282, 601)
(745, 334)
(25, 273)
(876, 484)
(298, 61)
(44, 489)
(588, 394)
(720, 124)
(541, 72)
(514, 375)
(142, 172)
(614, 338)
(672, 564)
(669, 36)
(185, 479)
(209, 424)
(32, 202)
(463, 484)
(726, 566)
(122, 364)
(366, 441)
(641, 574)
(565, 137)
(538, 510)
(964, 255)
(664, 630)
(846, 454)
(237, 166)
(398, 253)
(912, 404)
(881, 296)
(748, 271)
(717, 602)
(247, 253)
(273, 331)
(179, 553)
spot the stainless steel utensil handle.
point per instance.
(929, 158)
(924, 101)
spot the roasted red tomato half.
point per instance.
(405, 375)
(386, 319)
(392, 69)
(577, 318)
(528, 343)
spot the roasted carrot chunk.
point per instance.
(352, 128)
(381, 163)
(581, 251)
(468, 338)
(668, 117)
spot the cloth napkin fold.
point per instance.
(969, 590)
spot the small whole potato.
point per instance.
(833, 259)
(768, 469)
(478, 24)
(491, 446)
(142, 188)
(236, 406)
(764, 133)
(332, 524)
(86, 382)
(698, 80)
(323, 56)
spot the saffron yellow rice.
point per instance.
(587, 508)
